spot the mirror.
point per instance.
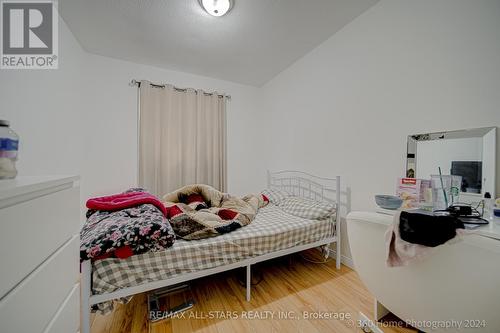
(467, 153)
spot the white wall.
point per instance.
(82, 119)
(111, 120)
(402, 67)
(45, 107)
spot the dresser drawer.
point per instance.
(67, 318)
(32, 230)
(34, 302)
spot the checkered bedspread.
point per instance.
(272, 230)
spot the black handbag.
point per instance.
(428, 230)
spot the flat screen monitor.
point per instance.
(471, 172)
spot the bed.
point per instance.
(272, 234)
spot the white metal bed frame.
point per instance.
(298, 183)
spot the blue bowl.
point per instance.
(496, 212)
(388, 201)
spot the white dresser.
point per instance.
(39, 255)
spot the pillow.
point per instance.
(275, 196)
(307, 208)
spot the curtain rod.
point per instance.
(137, 83)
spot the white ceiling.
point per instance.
(254, 42)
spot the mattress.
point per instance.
(272, 230)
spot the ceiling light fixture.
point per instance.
(217, 7)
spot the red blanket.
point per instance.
(125, 200)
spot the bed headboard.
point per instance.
(306, 185)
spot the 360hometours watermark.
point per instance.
(29, 34)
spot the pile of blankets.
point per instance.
(200, 211)
(121, 225)
(135, 221)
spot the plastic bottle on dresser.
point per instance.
(9, 145)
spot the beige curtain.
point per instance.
(182, 139)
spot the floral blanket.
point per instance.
(200, 211)
(134, 226)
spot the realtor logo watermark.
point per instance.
(29, 38)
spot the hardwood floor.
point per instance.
(298, 290)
